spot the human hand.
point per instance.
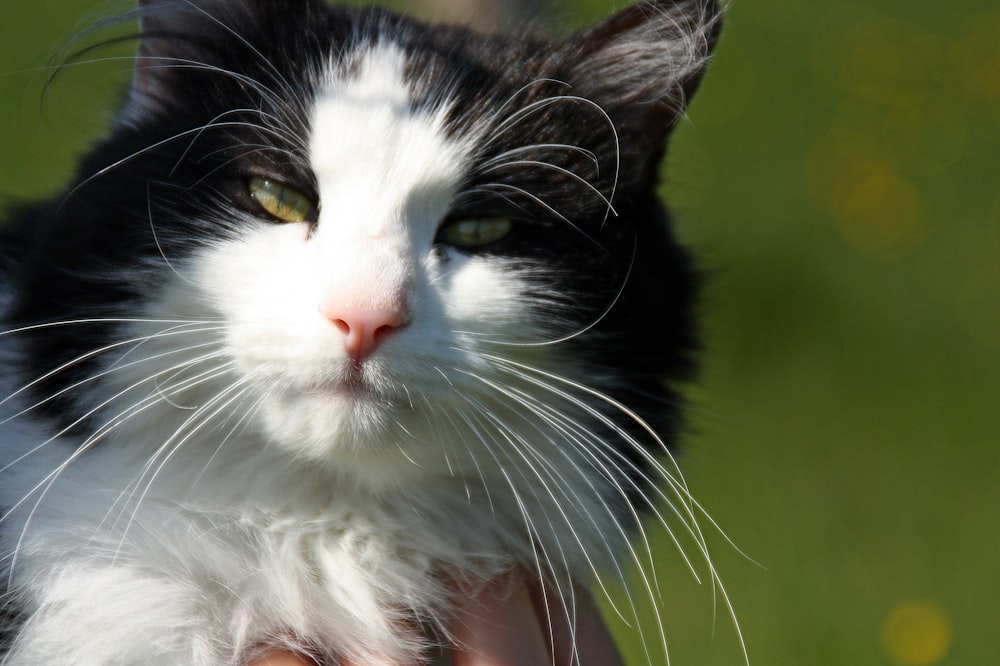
(513, 622)
(282, 658)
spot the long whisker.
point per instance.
(240, 424)
(593, 448)
(215, 124)
(516, 443)
(535, 537)
(260, 56)
(525, 449)
(194, 132)
(30, 328)
(520, 115)
(488, 187)
(577, 332)
(510, 100)
(676, 483)
(265, 92)
(503, 157)
(193, 424)
(133, 342)
(546, 165)
(539, 105)
(46, 483)
(100, 432)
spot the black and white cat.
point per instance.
(345, 307)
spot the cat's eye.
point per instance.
(281, 201)
(475, 232)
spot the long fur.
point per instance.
(193, 466)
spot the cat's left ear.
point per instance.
(642, 65)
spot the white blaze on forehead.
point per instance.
(386, 174)
(373, 155)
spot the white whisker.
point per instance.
(189, 428)
(193, 132)
(674, 479)
(502, 158)
(546, 165)
(132, 343)
(568, 492)
(537, 106)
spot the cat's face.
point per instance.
(362, 234)
(347, 321)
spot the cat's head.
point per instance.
(361, 235)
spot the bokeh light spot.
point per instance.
(916, 633)
(875, 208)
(878, 210)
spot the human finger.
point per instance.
(576, 630)
(497, 626)
(282, 658)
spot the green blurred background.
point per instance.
(839, 177)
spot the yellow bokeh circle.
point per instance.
(916, 633)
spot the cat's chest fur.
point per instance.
(344, 309)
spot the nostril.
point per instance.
(384, 330)
(365, 329)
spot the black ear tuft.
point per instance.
(164, 25)
(177, 36)
(643, 64)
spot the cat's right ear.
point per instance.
(169, 43)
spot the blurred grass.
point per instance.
(839, 179)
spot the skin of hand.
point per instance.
(283, 658)
(512, 622)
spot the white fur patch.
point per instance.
(387, 176)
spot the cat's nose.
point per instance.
(365, 329)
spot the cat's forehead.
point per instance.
(371, 144)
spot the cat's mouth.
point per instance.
(352, 384)
(355, 386)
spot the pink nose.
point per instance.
(365, 329)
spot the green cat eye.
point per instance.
(281, 201)
(475, 232)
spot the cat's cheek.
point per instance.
(262, 288)
(264, 261)
(485, 297)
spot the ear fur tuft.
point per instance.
(649, 57)
(171, 38)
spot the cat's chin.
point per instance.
(326, 420)
(349, 392)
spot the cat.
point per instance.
(345, 308)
